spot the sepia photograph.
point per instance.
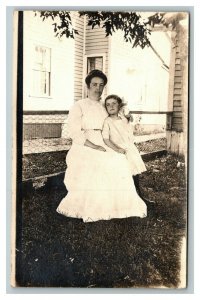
(100, 149)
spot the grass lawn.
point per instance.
(56, 251)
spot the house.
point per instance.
(178, 100)
(55, 69)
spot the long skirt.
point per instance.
(99, 184)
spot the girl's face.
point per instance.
(112, 106)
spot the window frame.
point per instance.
(85, 64)
(32, 69)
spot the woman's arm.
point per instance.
(74, 125)
(124, 112)
(76, 133)
(93, 146)
(113, 146)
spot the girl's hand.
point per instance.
(100, 148)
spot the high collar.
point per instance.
(94, 101)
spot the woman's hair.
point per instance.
(95, 73)
(119, 100)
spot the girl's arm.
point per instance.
(107, 140)
(113, 146)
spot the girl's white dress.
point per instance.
(99, 184)
(120, 132)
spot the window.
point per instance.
(94, 63)
(91, 62)
(41, 72)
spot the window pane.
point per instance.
(47, 59)
(41, 71)
(41, 83)
(94, 63)
(99, 63)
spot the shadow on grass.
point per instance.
(55, 251)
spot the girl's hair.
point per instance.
(119, 100)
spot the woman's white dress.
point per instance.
(120, 132)
(99, 184)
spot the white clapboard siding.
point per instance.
(97, 43)
(78, 66)
(39, 33)
(177, 120)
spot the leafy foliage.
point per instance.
(135, 27)
(136, 30)
(63, 22)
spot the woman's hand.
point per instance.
(100, 148)
(120, 150)
(94, 146)
(129, 117)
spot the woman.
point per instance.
(98, 181)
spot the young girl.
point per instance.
(118, 135)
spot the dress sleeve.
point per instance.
(74, 122)
(106, 130)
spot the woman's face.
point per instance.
(112, 106)
(96, 87)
